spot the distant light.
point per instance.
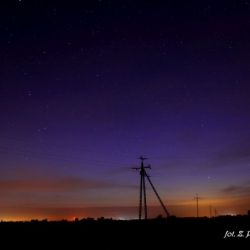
(229, 214)
(75, 218)
(126, 217)
(121, 218)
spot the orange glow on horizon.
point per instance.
(184, 208)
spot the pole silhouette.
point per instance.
(210, 211)
(215, 212)
(143, 193)
(197, 204)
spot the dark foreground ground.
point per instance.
(107, 234)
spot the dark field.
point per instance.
(105, 233)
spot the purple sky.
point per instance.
(86, 88)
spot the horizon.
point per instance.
(117, 218)
(117, 213)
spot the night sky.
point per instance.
(86, 87)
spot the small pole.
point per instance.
(197, 205)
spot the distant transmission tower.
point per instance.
(197, 198)
(215, 212)
(143, 197)
(210, 211)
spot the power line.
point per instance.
(56, 147)
(53, 156)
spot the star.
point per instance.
(29, 93)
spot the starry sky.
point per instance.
(86, 87)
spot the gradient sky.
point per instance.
(86, 88)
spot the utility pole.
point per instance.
(197, 204)
(210, 211)
(143, 194)
(215, 212)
